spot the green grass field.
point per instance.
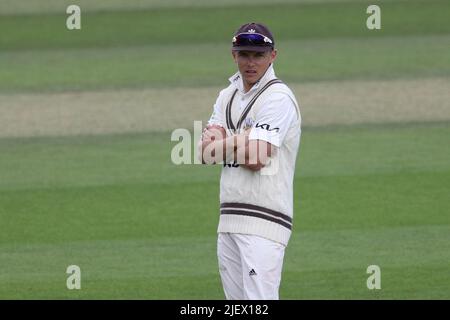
(86, 176)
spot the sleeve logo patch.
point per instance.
(266, 126)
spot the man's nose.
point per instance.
(251, 61)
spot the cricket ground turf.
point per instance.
(86, 176)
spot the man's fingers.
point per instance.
(207, 135)
(214, 132)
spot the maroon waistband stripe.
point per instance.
(237, 205)
(257, 215)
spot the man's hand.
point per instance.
(213, 132)
(213, 144)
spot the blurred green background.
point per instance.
(86, 118)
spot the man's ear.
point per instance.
(273, 55)
(234, 54)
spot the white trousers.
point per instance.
(250, 266)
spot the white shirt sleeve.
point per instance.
(217, 115)
(274, 119)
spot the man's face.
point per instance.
(252, 65)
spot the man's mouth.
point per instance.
(250, 72)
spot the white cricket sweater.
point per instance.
(260, 203)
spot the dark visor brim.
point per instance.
(252, 48)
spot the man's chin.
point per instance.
(251, 80)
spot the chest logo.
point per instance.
(248, 123)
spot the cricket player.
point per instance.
(255, 132)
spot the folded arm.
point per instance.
(253, 154)
(216, 147)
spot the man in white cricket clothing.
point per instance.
(255, 132)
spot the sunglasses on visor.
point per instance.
(251, 39)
